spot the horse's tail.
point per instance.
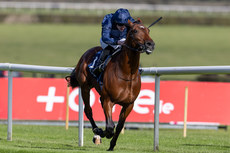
(71, 79)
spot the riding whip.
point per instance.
(155, 21)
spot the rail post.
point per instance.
(81, 120)
(10, 93)
(156, 112)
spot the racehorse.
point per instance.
(121, 79)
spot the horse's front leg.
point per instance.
(88, 110)
(123, 115)
(107, 107)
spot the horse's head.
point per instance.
(138, 37)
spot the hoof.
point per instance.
(109, 135)
(99, 131)
(110, 149)
(96, 139)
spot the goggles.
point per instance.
(120, 24)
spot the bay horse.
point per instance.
(121, 79)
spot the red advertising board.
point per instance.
(45, 99)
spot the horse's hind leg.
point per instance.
(88, 110)
(123, 115)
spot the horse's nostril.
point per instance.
(149, 43)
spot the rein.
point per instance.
(133, 49)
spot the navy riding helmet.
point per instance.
(121, 16)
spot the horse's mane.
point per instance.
(137, 22)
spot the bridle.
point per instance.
(139, 49)
(142, 47)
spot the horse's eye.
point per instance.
(134, 31)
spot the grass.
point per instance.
(59, 45)
(52, 139)
(62, 45)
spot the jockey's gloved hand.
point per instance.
(121, 42)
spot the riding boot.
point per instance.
(102, 58)
(103, 65)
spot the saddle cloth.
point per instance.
(92, 65)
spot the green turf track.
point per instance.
(52, 139)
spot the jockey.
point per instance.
(113, 33)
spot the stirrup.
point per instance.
(101, 67)
(96, 71)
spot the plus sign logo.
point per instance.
(50, 99)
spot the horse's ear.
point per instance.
(130, 23)
(139, 20)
